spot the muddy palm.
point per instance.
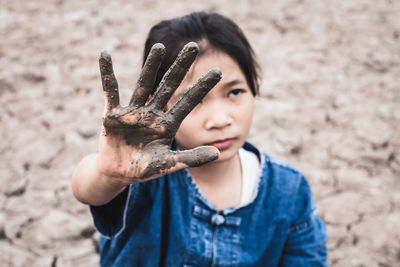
(136, 139)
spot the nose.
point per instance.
(217, 117)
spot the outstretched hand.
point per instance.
(136, 139)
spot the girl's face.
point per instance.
(224, 117)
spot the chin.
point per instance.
(227, 155)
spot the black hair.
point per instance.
(217, 31)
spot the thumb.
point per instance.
(197, 156)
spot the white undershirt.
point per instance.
(250, 175)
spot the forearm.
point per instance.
(92, 187)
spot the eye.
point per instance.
(235, 92)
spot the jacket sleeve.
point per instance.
(109, 219)
(306, 241)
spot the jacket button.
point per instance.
(217, 219)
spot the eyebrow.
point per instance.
(232, 83)
(225, 86)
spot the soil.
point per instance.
(329, 106)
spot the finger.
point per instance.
(195, 94)
(110, 84)
(197, 156)
(148, 75)
(175, 161)
(175, 74)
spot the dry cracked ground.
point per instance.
(329, 105)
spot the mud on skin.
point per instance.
(147, 127)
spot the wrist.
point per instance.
(113, 183)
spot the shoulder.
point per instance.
(283, 173)
(277, 171)
(283, 185)
(286, 179)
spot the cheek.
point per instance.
(247, 115)
(185, 136)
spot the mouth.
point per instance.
(223, 143)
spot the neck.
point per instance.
(217, 173)
(220, 182)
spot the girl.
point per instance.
(174, 182)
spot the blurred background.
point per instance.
(329, 106)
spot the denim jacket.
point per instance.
(168, 222)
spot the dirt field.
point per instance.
(329, 106)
